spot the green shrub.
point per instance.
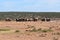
(4, 29)
(47, 30)
(44, 30)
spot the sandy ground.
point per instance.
(22, 26)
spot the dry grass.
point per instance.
(38, 30)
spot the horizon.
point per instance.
(27, 11)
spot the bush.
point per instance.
(47, 30)
(44, 30)
(17, 31)
(58, 33)
(4, 29)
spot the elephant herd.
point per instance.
(25, 19)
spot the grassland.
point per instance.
(29, 30)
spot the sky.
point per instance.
(30, 5)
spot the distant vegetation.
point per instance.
(14, 15)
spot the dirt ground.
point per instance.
(26, 35)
